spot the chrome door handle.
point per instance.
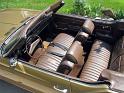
(60, 90)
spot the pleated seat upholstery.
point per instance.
(55, 52)
(49, 61)
(64, 40)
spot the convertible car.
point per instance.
(46, 52)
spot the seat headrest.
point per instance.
(88, 26)
(81, 37)
(86, 30)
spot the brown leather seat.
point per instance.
(49, 61)
(75, 53)
(63, 41)
(73, 56)
(36, 55)
(56, 51)
(65, 67)
(97, 61)
(52, 58)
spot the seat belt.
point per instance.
(56, 54)
(59, 45)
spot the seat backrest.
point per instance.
(73, 56)
(49, 61)
(63, 40)
(88, 26)
(75, 53)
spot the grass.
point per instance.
(34, 4)
(115, 5)
(30, 4)
(93, 8)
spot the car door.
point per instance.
(34, 79)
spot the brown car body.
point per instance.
(40, 80)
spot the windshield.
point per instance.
(14, 38)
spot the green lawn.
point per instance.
(114, 4)
(33, 4)
(42, 4)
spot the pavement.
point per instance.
(9, 88)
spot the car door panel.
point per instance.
(49, 82)
(81, 87)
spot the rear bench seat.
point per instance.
(53, 55)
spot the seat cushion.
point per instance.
(49, 61)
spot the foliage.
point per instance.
(30, 4)
(119, 14)
(91, 8)
(81, 7)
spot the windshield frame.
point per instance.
(14, 36)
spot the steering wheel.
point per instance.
(32, 43)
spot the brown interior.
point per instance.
(58, 34)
